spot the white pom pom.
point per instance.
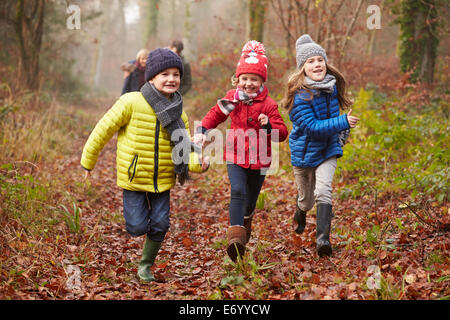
(254, 46)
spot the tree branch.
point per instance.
(349, 29)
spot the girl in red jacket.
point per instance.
(255, 121)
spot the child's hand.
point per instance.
(263, 119)
(205, 163)
(199, 138)
(352, 120)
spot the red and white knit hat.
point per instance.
(253, 60)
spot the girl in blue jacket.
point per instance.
(315, 93)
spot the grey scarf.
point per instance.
(169, 113)
(327, 83)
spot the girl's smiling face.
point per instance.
(250, 82)
(316, 68)
(167, 81)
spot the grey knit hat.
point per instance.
(161, 59)
(307, 48)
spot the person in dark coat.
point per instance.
(135, 72)
(186, 82)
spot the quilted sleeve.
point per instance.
(302, 115)
(116, 117)
(215, 116)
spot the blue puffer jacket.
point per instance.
(316, 124)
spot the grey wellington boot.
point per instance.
(323, 227)
(149, 254)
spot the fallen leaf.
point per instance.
(197, 270)
(187, 242)
(315, 278)
(410, 278)
(72, 248)
(297, 240)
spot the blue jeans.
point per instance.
(245, 187)
(146, 213)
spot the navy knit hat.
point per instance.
(161, 59)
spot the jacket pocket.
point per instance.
(132, 168)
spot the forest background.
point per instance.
(63, 238)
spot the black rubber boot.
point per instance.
(299, 220)
(323, 227)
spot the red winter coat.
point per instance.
(247, 144)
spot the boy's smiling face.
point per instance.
(167, 81)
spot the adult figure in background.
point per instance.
(134, 72)
(186, 82)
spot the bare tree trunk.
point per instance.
(29, 25)
(286, 22)
(331, 20)
(122, 26)
(256, 19)
(98, 54)
(151, 16)
(305, 16)
(188, 29)
(173, 18)
(319, 34)
(419, 37)
(347, 33)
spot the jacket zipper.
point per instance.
(155, 171)
(328, 97)
(304, 150)
(133, 164)
(324, 152)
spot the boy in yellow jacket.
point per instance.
(153, 149)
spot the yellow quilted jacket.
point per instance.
(144, 150)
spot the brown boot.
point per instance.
(236, 236)
(248, 225)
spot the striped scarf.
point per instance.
(226, 105)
